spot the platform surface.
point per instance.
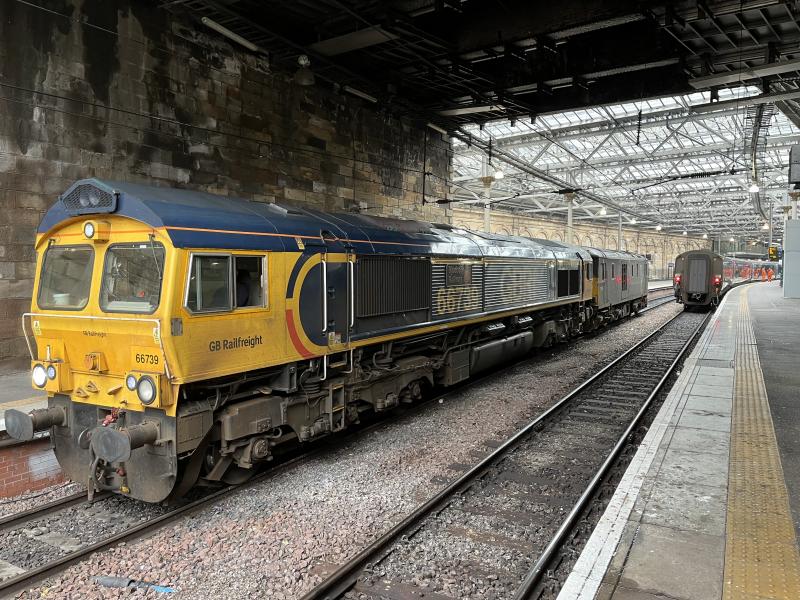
(651, 285)
(17, 392)
(703, 511)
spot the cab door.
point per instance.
(602, 282)
(337, 291)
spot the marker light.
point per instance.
(677, 279)
(146, 390)
(39, 376)
(717, 279)
(88, 229)
(130, 382)
(51, 372)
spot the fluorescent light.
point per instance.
(437, 128)
(740, 75)
(731, 240)
(658, 227)
(603, 211)
(469, 110)
(230, 35)
(753, 189)
(746, 101)
(360, 94)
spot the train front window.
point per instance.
(66, 277)
(132, 278)
(209, 287)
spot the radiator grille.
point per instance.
(517, 283)
(463, 295)
(389, 285)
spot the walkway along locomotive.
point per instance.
(181, 335)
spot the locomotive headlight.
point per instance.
(39, 376)
(130, 382)
(51, 372)
(146, 390)
(88, 229)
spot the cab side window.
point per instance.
(250, 281)
(209, 287)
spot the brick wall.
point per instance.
(28, 467)
(117, 90)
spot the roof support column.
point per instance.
(487, 203)
(570, 228)
(619, 231)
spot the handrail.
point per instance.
(324, 264)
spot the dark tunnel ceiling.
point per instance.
(455, 62)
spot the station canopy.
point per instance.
(677, 163)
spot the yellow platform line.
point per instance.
(761, 556)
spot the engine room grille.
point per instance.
(517, 283)
(86, 198)
(392, 285)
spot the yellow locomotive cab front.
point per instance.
(95, 336)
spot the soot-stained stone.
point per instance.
(100, 45)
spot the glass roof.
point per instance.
(664, 161)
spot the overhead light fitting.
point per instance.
(230, 34)
(360, 94)
(765, 226)
(658, 227)
(603, 211)
(731, 240)
(304, 75)
(633, 221)
(753, 189)
(685, 232)
(435, 127)
(705, 236)
(498, 174)
(470, 110)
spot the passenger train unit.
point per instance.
(183, 336)
(702, 277)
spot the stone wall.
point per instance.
(117, 90)
(662, 247)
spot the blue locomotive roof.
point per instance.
(195, 219)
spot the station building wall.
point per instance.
(663, 248)
(117, 90)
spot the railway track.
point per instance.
(494, 531)
(29, 518)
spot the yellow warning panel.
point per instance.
(761, 557)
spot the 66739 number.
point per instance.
(146, 359)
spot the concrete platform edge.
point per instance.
(589, 571)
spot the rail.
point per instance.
(344, 578)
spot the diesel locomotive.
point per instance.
(182, 336)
